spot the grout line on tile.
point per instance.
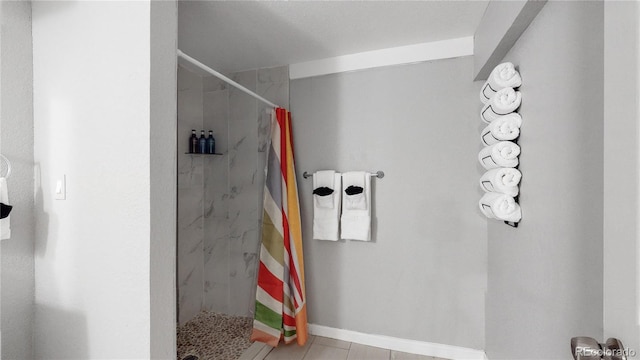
(308, 347)
(263, 354)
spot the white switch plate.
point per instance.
(60, 190)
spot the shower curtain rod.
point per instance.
(224, 78)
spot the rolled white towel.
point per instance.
(502, 103)
(501, 180)
(501, 154)
(505, 127)
(502, 76)
(500, 206)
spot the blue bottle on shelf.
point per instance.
(211, 143)
(202, 143)
(193, 142)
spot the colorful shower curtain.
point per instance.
(281, 311)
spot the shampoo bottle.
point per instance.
(211, 143)
(203, 143)
(193, 142)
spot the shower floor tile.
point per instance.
(214, 336)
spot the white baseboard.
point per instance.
(398, 344)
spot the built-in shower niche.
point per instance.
(220, 197)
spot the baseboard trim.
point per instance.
(398, 344)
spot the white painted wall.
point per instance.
(423, 276)
(16, 143)
(621, 179)
(545, 277)
(92, 123)
(164, 33)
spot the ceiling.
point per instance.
(230, 36)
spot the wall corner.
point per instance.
(502, 24)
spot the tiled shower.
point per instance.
(220, 196)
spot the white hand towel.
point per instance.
(502, 103)
(356, 208)
(501, 154)
(324, 179)
(502, 76)
(5, 224)
(501, 180)
(500, 206)
(326, 209)
(505, 127)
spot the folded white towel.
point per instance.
(502, 76)
(501, 154)
(505, 127)
(500, 206)
(324, 179)
(356, 208)
(5, 224)
(502, 103)
(326, 209)
(501, 180)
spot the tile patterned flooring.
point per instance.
(322, 348)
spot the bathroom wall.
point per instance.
(190, 198)
(545, 277)
(220, 197)
(163, 174)
(423, 276)
(621, 175)
(16, 143)
(216, 260)
(92, 122)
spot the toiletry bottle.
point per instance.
(203, 143)
(193, 142)
(211, 143)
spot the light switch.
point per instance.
(61, 188)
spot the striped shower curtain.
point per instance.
(281, 311)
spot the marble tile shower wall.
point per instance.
(190, 198)
(216, 216)
(232, 190)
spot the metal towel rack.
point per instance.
(378, 174)
(8, 165)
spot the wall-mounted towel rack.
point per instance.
(8, 166)
(378, 174)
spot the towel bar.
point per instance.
(378, 174)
